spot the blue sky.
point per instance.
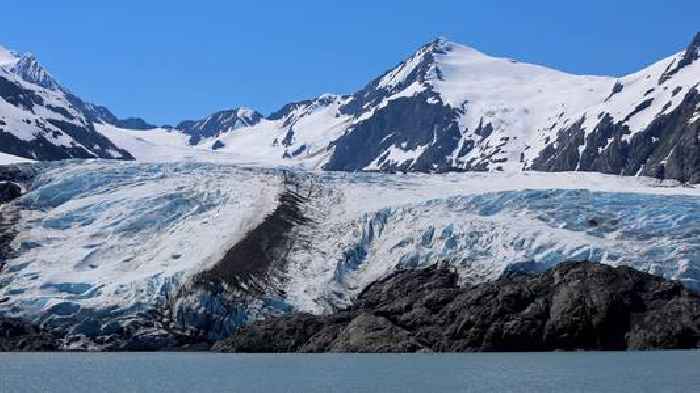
(172, 60)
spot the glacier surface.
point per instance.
(99, 243)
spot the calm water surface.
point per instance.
(631, 372)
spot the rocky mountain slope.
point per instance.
(42, 120)
(28, 69)
(219, 123)
(573, 306)
(42, 124)
(649, 125)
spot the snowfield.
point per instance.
(101, 242)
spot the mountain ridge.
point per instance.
(449, 107)
(27, 67)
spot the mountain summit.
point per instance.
(29, 69)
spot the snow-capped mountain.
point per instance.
(219, 123)
(299, 133)
(28, 68)
(451, 107)
(40, 119)
(42, 124)
(648, 125)
(447, 107)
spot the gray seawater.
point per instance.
(628, 372)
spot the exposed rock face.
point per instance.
(218, 123)
(12, 178)
(43, 120)
(691, 54)
(9, 191)
(30, 70)
(17, 335)
(573, 306)
(19, 174)
(668, 148)
(418, 124)
(425, 124)
(43, 124)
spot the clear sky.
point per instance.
(172, 60)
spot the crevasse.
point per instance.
(100, 244)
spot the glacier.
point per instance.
(99, 245)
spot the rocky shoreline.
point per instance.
(17, 335)
(575, 306)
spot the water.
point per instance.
(330, 373)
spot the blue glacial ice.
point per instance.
(100, 242)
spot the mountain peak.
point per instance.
(245, 112)
(438, 44)
(29, 68)
(219, 122)
(417, 67)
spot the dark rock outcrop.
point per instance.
(9, 191)
(12, 179)
(691, 54)
(427, 127)
(17, 335)
(421, 123)
(668, 148)
(573, 306)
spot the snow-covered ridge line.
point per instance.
(451, 107)
(447, 107)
